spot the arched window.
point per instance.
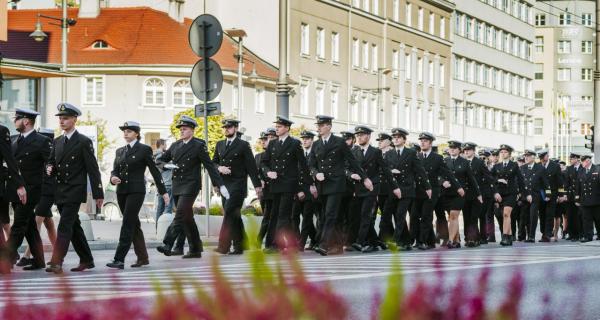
(154, 92)
(100, 44)
(182, 94)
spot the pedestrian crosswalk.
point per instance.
(106, 284)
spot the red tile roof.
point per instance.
(136, 36)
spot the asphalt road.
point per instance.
(565, 274)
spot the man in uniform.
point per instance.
(588, 196)
(573, 212)
(548, 208)
(235, 162)
(309, 207)
(285, 166)
(266, 202)
(31, 151)
(188, 155)
(536, 185)
(426, 199)
(72, 162)
(342, 223)
(495, 211)
(329, 158)
(386, 226)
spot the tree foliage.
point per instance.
(104, 143)
(215, 132)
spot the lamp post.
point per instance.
(240, 34)
(466, 93)
(381, 72)
(39, 36)
(283, 89)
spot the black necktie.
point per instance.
(424, 155)
(306, 154)
(324, 142)
(20, 139)
(228, 144)
(504, 164)
(398, 151)
(280, 142)
(453, 161)
(66, 139)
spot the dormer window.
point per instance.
(100, 44)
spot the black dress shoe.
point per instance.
(54, 268)
(382, 245)
(406, 247)
(177, 252)
(164, 250)
(368, 249)
(357, 246)
(491, 239)
(504, 240)
(34, 266)
(24, 262)
(236, 252)
(321, 251)
(83, 266)
(220, 251)
(116, 265)
(584, 240)
(423, 246)
(545, 239)
(574, 239)
(140, 263)
(483, 241)
(192, 255)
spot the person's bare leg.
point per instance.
(6, 228)
(50, 229)
(555, 230)
(453, 225)
(506, 227)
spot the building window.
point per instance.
(586, 74)
(420, 19)
(335, 47)
(355, 53)
(320, 98)
(540, 19)
(365, 107)
(407, 115)
(564, 74)
(442, 76)
(430, 118)
(94, 90)
(365, 6)
(374, 107)
(539, 44)
(259, 100)
(442, 27)
(586, 19)
(304, 99)
(538, 126)
(354, 105)
(183, 95)
(586, 98)
(395, 112)
(335, 95)
(585, 129)
(100, 44)
(374, 57)
(408, 66)
(396, 10)
(539, 76)
(430, 74)
(564, 46)
(154, 92)
(365, 55)
(420, 116)
(375, 7)
(395, 63)
(564, 19)
(432, 23)
(409, 14)
(458, 24)
(304, 39)
(320, 43)
(586, 46)
(420, 70)
(539, 98)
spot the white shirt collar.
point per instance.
(364, 148)
(453, 158)
(400, 149)
(231, 139)
(326, 138)
(132, 143)
(69, 134)
(282, 138)
(307, 150)
(27, 133)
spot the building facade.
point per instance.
(493, 71)
(564, 55)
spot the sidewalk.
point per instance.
(106, 236)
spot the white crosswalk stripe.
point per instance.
(49, 289)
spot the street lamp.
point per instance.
(39, 36)
(240, 34)
(381, 72)
(466, 93)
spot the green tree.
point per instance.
(104, 142)
(215, 132)
(70, 3)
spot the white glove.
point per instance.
(224, 192)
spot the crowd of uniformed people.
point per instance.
(321, 191)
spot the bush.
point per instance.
(214, 211)
(252, 211)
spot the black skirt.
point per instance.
(509, 200)
(452, 203)
(44, 207)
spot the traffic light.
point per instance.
(590, 138)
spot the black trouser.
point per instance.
(131, 230)
(591, 216)
(184, 223)
(266, 206)
(69, 230)
(386, 226)
(487, 206)
(496, 211)
(232, 228)
(342, 221)
(398, 208)
(441, 222)
(308, 209)
(330, 208)
(529, 217)
(24, 226)
(547, 212)
(280, 223)
(515, 217)
(361, 215)
(422, 219)
(574, 218)
(471, 213)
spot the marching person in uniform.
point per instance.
(532, 196)
(43, 211)
(386, 226)
(487, 187)
(363, 235)
(235, 162)
(31, 151)
(72, 162)
(573, 211)
(285, 165)
(510, 182)
(188, 155)
(128, 175)
(266, 202)
(329, 158)
(548, 212)
(422, 212)
(588, 196)
(309, 207)
(494, 211)
(342, 222)
(561, 208)
(408, 172)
